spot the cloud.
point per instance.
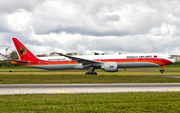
(163, 30)
(15, 5)
(97, 18)
(109, 26)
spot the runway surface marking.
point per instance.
(174, 89)
(87, 88)
(57, 91)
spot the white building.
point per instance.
(176, 57)
(2, 57)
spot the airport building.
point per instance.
(176, 57)
(2, 57)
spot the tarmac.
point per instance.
(7, 89)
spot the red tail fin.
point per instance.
(22, 51)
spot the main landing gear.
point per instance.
(162, 70)
(91, 71)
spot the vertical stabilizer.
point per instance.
(22, 51)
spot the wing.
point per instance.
(82, 60)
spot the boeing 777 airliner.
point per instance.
(109, 63)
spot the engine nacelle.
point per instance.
(110, 67)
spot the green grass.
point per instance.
(25, 75)
(15, 67)
(164, 102)
(79, 77)
(92, 103)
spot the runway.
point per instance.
(87, 88)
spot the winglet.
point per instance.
(22, 51)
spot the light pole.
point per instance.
(6, 51)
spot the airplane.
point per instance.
(108, 63)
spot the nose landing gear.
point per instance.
(162, 70)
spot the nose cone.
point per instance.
(173, 60)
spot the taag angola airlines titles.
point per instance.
(108, 63)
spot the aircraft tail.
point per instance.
(22, 51)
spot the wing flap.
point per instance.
(82, 60)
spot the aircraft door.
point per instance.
(39, 61)
(160, 58)
(136, 59)
(69, 61)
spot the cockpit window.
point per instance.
(170, 58)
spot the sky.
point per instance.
(84, 26)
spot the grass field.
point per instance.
(168, 102)
(25, 75)
(79, 77)
(91, 103)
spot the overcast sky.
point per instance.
(82, 26)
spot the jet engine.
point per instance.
(110, 67)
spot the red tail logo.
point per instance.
(23, 52)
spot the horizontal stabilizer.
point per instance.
(21, 61)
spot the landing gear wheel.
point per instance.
(91, 71)
(87, 73)
(162, 70)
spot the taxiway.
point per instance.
(87, 88)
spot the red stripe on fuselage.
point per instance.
(158, 61)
